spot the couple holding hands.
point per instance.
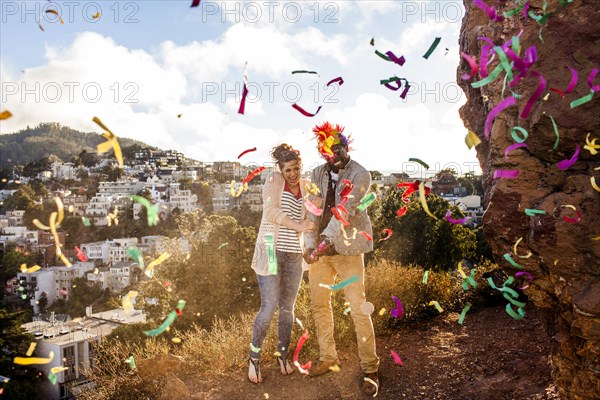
(319, 241)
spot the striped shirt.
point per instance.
(288, 240)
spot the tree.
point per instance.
(418, 238)
(11, 263)
(445, 171)
(14, 341)
(376, 175)
(204, 193)
(43, 302)
(22, 199)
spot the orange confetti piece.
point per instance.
(5, 115)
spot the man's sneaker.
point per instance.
(323, 367)
(370, 384)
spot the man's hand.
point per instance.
(308, 256)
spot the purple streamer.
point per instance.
(338, 79)
(397, 312)
(504, 104)
(566, 164)
(400, 61)
(506, 173)
(490, 11)
(455, 221)
(243, 102)
(514, 146)
(573, 82)
(528, 275)
(536, 95)
(403, 94)
(483, 61)
(591, 80)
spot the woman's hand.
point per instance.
(306, 225)
(317, 200)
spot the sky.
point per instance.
(171, 76)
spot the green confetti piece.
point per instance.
(23, 296)
(254, 348)
(489, 79)
(347, 310)
(516, 315)
(464, 311)
(131, 362)
(52, 377)
(136, 255)
(167, 322)
(270, 246)
(151, 209)
(425, 275)
(342, 284)
(506, 66)
(530, 212)
(392, 79)
(86, 221)
(508, 258)
(513, 301)
(432, 47)
(386, 58)
(372, 42)
(516, 137)
(303, 71)
(504, 288)
(555, 132)
(423, 163)
(582, 100)
(366, 201)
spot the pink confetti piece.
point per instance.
(302, 368)
(195, 3)
(397, 312)
(591, 78)
(528, 275)
(397, 358)
(504, 104)
(490, 11)
(455, 221)
(304, 112)
(400, 61)
(536, 95)
(506, 173)
(566, 164)
(513, 147)
(472, 63)
(242, 108)
(405, 92)
(366, 235)
(246, 151)
(312, 208)
(338, 79)
(483, 60)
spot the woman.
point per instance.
(277, 257)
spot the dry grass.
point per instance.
(226, 345)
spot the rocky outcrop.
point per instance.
(565, 259)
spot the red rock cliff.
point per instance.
(565, 259)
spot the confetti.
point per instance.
(397, 312)
(472, 63)
(313, 189)
(150, 268)
(339, 80)
(506, 173)
(96, 16)
(29, 270)
(402, 211)
(59, 252)
(136, 255)
(57, 14)
(417, 160)
(341, 284)
(127, 301)
(508, 258)
(387, 232)
(31, 349)
(242, 107)
(504, 104)
(463, 313)
(425, 276)
(302, 368)
(168, 321)
(490, 11)
(303, 71)
(131, 362)
(455, 221)
(397, 358)
(195, 3)
(591, 146)
(432, 47)
(310, 207)
(246, 151)
(566, 164)
(80, 254)
(423, 201)
(437, 306)
(366, 201)
(252, 175)
(381, 312)
(5, 115)
(254, 349)
(111, 142)
(152, 210)
(530, 212)
(569, 219)
(529, 254)
(513, 147)
(233, 192)
(34, 360)
(516, 315)
(366, 235)
(85, 221)
(528, 275)
(304, 112)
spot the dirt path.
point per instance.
(491, 357)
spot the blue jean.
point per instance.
(278, 290)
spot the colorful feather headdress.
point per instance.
(327, 136)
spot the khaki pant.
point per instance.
(324, 271)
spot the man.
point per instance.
(343, 182)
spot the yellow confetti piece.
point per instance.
(267, 396)
(61, 210)
(382, 311)
(335, 368)
(176, 340)
(112, 217)
(57, 14)
(354, 232)
(97, 15)
(591, 146)
(59, 252)
(56, 370)
(127, 302)
(96, 271)
(29, 270)
(472, 140)
(556, 261)
(437, 305)
(529, 254)
(313, 189)
(460, 270)
(5, 115)
(71, 208)
(110, 143)
(39, 225)
(233, 192)
(30, 349)
(596, 238)
(34, 360)
(423, 201)
(277, 354)
(150, 268)
(594, 184)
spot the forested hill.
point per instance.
(34, 144)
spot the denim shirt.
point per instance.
(361, 179)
